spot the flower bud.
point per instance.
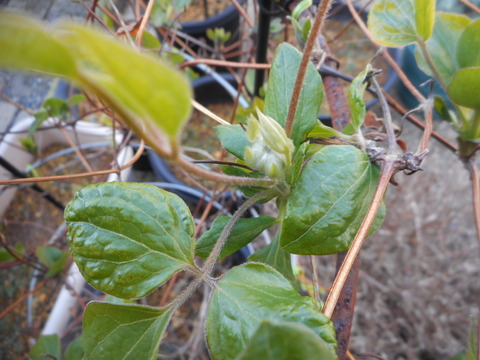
(271, 149)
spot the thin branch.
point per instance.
(21, 107)
(474, 178)
(397, 107)
(471, 6)
(427, 133)
(316, 280)
(22, 298)
(76, 176)
(207, 112)
(388, 169)
(302, 70)
(387, 116)
(224, 63)
(212, 258)
(124, 25)
(143, 24)
(225, 179)
(243, 13)
(386, 55)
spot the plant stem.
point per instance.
(387, 117)
(408, 84)
(430, 63)
(474, 178)
(302, 70)
(225, 179)
(397, 107)
(316, 280)
(474, 8)
(76, 176)
(388, 169)
(212, 258)
(185, 294)
(144, 22)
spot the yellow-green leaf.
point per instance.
(424, 18)
(392, 22)
(27, 45)
(137, 84)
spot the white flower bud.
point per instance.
(271, 149)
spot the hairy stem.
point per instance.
(302, 70)
(212, 258)
(388, 169)
(225, 179)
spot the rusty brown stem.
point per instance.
(401, 110)
(302, 70)
(342, 317)
(471, 6)
(143, 24)
(388, 168)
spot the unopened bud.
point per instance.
(271, 149)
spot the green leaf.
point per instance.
(52, 257)
(323, 131)
(442, 46)
(153, 91)
(27, 45)
(244, 231)
(250, 293)
(127, 238)
(233, 138)
(424, 18)
(6, 256)
(392, 22)
(328, 203)
(280, 87)
(29, 144)
(355, 97)
(74, 350)
(285, 341)
(464, 89)
(56, 108)
(47, 346)
(298, 160)
(275, 256)
(468, 48)
(442, 109)
(150, 41)
(113, 331)
(76, 99)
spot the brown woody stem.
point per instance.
(388, 169)
(302, 70)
